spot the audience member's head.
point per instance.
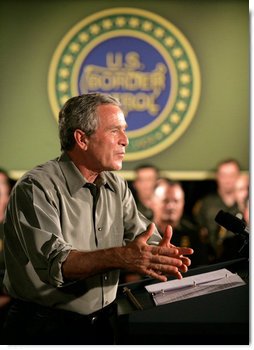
(5, 189)
(246, 210)
(242, 191)
(168, 203)
(227, 173)
(146, 177)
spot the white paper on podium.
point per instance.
(193, 286)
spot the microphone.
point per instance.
(232, 223)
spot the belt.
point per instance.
(30, 307)
(103, 313)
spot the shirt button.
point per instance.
(105, 277)
(99, 228)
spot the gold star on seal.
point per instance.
(94, 29)
(159, 32)
(64, 98)
(74, 47)
(107, 24)
(63, 87)
(68, 59)
(185, 78)
(175, 118)
(64, 73)
(169, 41)
(182, 65)
(181, 106)
(134, 22)
(166, 128)
(83, 37)
(147, 26)
(177, 52)
(120, 21)
(184, 92)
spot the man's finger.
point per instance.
(165, 242)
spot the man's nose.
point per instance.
(124, 139)
(170, 205)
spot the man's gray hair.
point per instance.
(79, 112)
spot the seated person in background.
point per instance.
(246, 211)
(232, 244)
(241, 193)
(206, 209)
(146, 176)
(5, 189)
(168, 207)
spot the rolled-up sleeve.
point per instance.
(37, 224)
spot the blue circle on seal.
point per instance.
(148, 60)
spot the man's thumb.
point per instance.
(148, 233)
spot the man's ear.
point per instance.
(81, 139)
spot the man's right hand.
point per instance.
(155, 261)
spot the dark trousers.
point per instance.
(32, 324)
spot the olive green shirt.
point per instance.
(50, 213)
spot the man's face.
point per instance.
(172, 205)
(241, 189)
(145, 181)
(4, 188)
(106, 147)
(226, 177)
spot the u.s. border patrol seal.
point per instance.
(142, 59)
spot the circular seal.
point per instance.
(138, 57)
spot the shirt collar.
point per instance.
(75, 179)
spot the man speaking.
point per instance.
(71, 225)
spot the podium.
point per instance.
(220, 318)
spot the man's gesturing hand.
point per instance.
(155, 261)
(166, 242)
